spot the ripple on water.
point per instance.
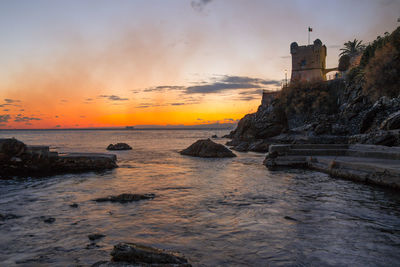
(231, 212)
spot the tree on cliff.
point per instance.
(352, 48)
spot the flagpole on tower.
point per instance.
(309, 30)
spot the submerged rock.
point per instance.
(93, 237)
(48, 219)
(207, 149)
(9, 216)
(140, 254)
(119, 146)
(123, 198)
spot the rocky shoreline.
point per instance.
(18, 159)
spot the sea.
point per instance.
(216, 212)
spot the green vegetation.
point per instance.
(382, 67)
(307, 98)
(352, 48)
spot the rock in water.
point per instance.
(119, 146)
(139, 254)
(207, 149)
(123, 198)
(93, 237)
(10, 148)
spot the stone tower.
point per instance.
(308, 62)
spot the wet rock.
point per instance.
(323, 128)
(242, 147)
(92, 246)
(4, 217)
(290, 218)
(93, 237)
(207, 149)
(140, 254)
(214, 136)
(392, 122)
(119, 146)
(259, 146)
(74, 205)
(48, 219)
(17, 159)
(11, 147)
(124, 198)
(383, 138)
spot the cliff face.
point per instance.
(352, 118)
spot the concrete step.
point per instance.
(366, 165)
(320, 146)
(373, 154)
(317, 152)
(286, 147)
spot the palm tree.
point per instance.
(352, 48)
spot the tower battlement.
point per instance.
(308, 62)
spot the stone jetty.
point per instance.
(18, 159)
(365, 163)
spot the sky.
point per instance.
(86, 63)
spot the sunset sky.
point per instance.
(87, 63)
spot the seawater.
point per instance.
(217, 212)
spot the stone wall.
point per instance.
(308, 62)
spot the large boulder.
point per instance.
(207, 149)
(119, 146)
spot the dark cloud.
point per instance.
(114, 98)
(177, 104)
(11, 101)
(20, 118)
(4, 118)
(6, 109)
(199, 5)
(58, 126)
(217, 87)
(163, 88)
(253, 92)
(231, 83)
(247, 98)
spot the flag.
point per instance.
(309, 29)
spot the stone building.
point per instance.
(309, 62)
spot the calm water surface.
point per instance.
(224, 212)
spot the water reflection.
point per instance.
(217, 212)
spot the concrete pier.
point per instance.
(365, 163)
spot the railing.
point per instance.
(334, 76)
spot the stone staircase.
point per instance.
(366, 163)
